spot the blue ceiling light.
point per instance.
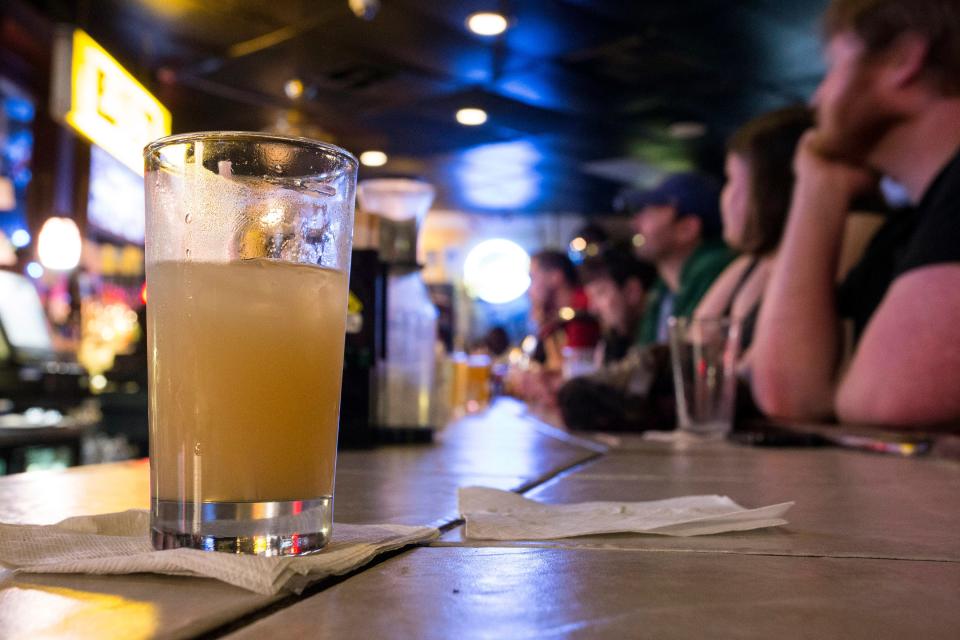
(514, 193)
(522, 91)
(503, 157)
(500, 176)
(472, 65)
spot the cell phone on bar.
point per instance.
(768, 435)
(773, 436)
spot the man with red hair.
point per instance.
(889, 105)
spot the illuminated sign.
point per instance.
(99, 98)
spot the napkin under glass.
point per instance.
(117, 543)
(492, 514)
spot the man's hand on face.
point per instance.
(823, 174)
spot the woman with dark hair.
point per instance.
(754, 205)
(558, 307)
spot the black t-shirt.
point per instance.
(910, 239)
(937, 235)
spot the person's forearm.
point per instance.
(796, 345)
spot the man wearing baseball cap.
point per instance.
(678, 229)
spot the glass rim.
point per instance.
(251, 136)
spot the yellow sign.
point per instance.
(100, 99)
(353, 304)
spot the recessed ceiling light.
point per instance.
(686, 130)
(471, 116)
(293, 88)
(486, 23)
(373, 158)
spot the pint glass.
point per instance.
(248, 244)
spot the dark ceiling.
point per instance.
(580, 93)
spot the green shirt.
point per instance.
(699, 271)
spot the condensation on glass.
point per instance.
(248, 243)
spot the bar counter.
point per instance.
(871, 550)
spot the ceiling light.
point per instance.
(471, 117)
(293, 88)
(486, 23)
(686, 130)
(373, 158)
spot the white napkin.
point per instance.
(492, 514)
(115, 543)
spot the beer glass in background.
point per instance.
(478, 382)
(458, 389)
(248, 252)
(471, 388)
(704, 354)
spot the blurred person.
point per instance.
(889, 104)
(678, 229)
(754, 204)
(558, 307)
(496, 342)
(637, 393)
(616, 283)
(553, 284)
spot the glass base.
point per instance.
(289, 528)
(707, 430)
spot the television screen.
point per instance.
(115, 202)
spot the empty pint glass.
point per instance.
(704, 354)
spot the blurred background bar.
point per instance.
(524, 118)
